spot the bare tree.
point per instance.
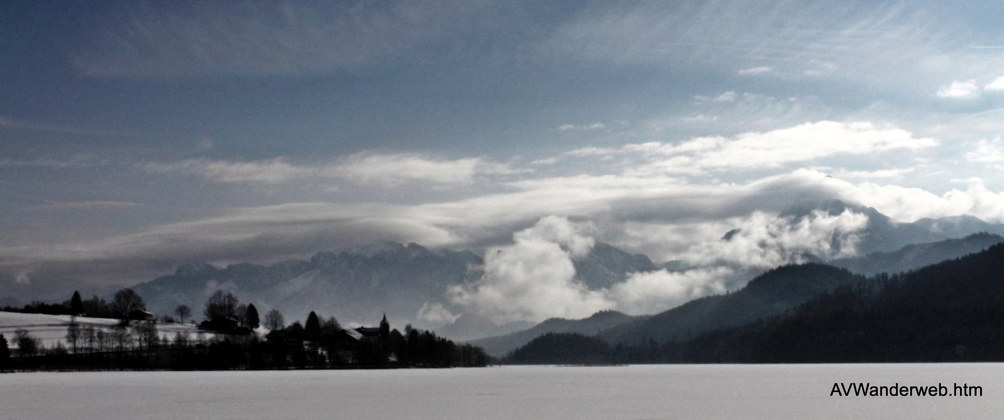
(221, 305)
(146, 333)
(274, 320)
(26, 344)
(183, 311)
(125, 302)
(73, 332)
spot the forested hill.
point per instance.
(912, 257)
(951, 311)
(501, 345)
(767, 295)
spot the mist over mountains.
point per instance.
(558, 269)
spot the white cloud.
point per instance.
(987, 151)
(436, 314)
(269, 172)
(373, 169)
(657, 291)
(960, 90)
(803, 143)
(996, 85)
(534, 278)
(392, 170)
(585, 127)
(755, 70)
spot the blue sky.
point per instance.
(135, 136)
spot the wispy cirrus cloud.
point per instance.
(583, 127)
(97, 205)
(150, 39)
(755, 70)
(367, 168)
(267, 172)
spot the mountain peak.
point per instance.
(193, 269)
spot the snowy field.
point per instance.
(519, 392)
(51, 329)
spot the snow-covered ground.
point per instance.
(51, 329)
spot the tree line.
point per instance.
(231, 335)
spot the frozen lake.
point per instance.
(516, 392)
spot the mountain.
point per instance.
(561, 348)
(606, 265)
(767, 295)
(882, 234)
(499, 346)
(912, 257)
(354, 285)
(468, 327)
(951, 311)
(360, 284)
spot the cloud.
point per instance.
(534, 278)
(960, 90)
(759, 150)
(584, 127)
(657, 291)
(987, 151)
(764, 240)
(269, 172)
(996, 85)
(755, 70)
(436, 314)
(87, 206)
(276, 38)
(866, 44)
(372, 169)
(392, 170)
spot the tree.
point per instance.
(183, 311)
(76, 305)
(87, 335)
(4, 352)
(251, 317)
(125, 302)
(26, 344)
(274, 320)
(146, 333)
(239, 314)
(73, 332)
(121, 337)
(312, 328)
(221, 305)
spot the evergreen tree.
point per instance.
(4, 352)
(313, 327)
(251, 317)
(76, 305)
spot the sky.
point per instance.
(139, 135)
